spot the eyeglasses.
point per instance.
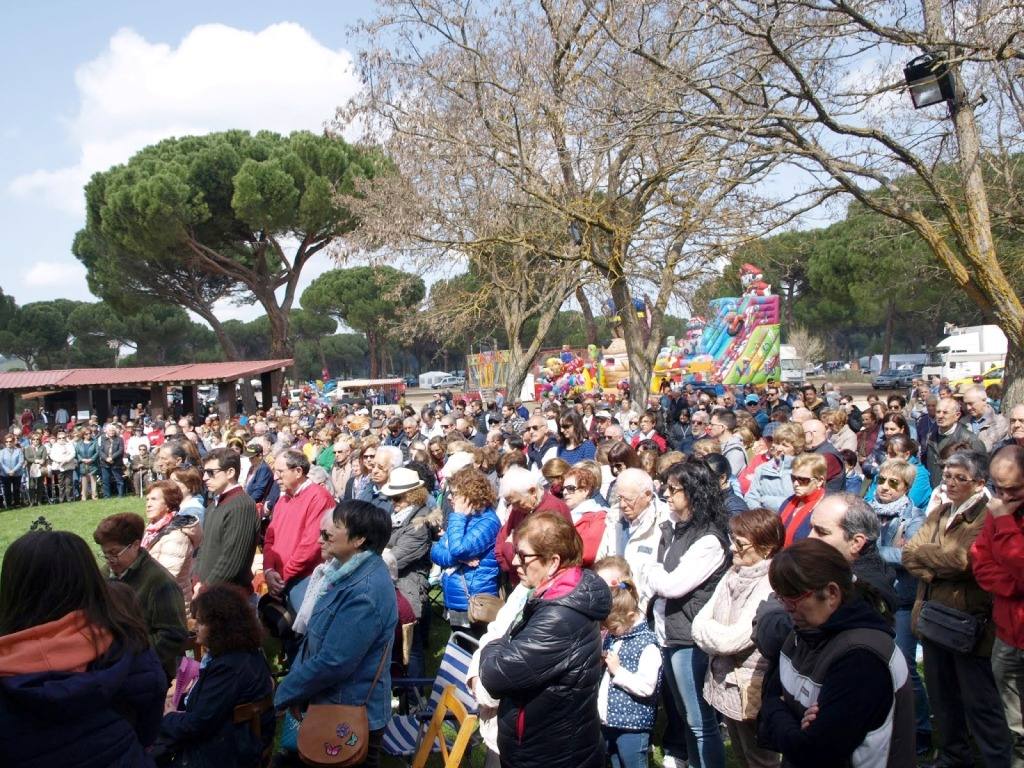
(524, 558)
(789, 603)
(739, 546)
(949, 477)
(211, 472)
(893, 482)
(325, 535)
(114, 558)
(672, 490)
(803, 480)
(570, 488)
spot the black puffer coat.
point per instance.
(546, 671)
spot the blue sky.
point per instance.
(89, 83)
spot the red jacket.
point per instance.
(591, 527)
(997, 559)
(292, 545)
(504, 550)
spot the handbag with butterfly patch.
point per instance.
(337, 734)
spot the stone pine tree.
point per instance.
(247, 211)
(368, 299)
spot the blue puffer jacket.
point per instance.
(921, 492)
(771, 484)
(100, 718)
(466, 538)
(351, 625)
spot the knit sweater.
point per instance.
(724, 629)
(292, 545)
(229, 540)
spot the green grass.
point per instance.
(81, 517)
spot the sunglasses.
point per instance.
(802, 480)
(211, 472)
(325, 535)
(570, 488)
(893, 482)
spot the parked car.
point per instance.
(993, 375)
(892, 379)
(450, 382)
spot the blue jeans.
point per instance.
(906, 640)
(627, 749)
(111, 476)
(685, 669)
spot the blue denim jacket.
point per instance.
(351, 626)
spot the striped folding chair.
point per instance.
(402, 735)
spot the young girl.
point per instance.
(628, 696)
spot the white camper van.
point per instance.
(792, 365)
(967, 351)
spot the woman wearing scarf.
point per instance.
(808, 478)
(170, 538)
(961, 686)
(546, 669)
(348, 618)
(900, 520)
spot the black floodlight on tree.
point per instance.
(930, 81)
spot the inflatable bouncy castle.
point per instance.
(739, 344)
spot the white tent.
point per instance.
(430, 378)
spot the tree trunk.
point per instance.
(890, 329)
(1013, 376)
(640, 369)
(589, 324)
(323, 358)
(371, 347)
(231, 352)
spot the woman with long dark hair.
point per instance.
(573, 443)
(692, 558)
(79, 684)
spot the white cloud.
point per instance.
(54, 274)
(218, 77)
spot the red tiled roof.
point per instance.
(142, 376)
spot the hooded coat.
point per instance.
(65, 702)
(547, 670)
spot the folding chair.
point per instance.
(252, 713)
(403, 734)
(448, 707)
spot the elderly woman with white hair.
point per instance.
(523, 494)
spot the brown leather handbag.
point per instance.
(337, 734)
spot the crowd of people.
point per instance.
(761, 567)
